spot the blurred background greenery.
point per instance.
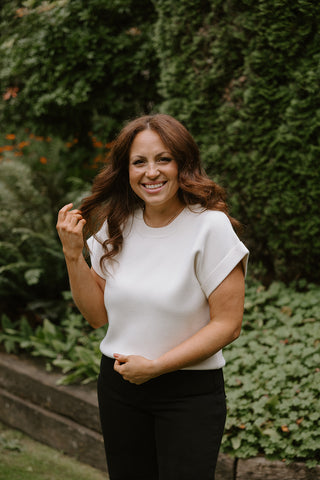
(243, 76)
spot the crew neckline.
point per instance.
(145, 229)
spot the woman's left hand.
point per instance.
(134, 368)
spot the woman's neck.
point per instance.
(163, 216)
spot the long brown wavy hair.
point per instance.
(112, 198)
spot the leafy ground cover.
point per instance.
(272, 371)
(22, 458)
(72, 346)
(272, 376)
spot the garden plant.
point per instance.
(243, 76)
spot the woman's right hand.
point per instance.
(70, 226)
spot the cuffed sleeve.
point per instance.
(219, 253)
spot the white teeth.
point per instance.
(155, 185)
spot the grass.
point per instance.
(22, 458)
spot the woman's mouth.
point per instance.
(153, 186)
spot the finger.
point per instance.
(121, 358)
(80, 226)
(75, 211)
(118, 367)
(63, 211)
(73, 219)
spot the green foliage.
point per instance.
(72, 346)
(63, 62)
(9, 444)
(23, 458)
(272, 376)
(272, 371)
(33, 186)
(244, 77)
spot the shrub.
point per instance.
(35, 182)
(64, 63)
(244, 77)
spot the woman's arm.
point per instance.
(226, 311)
(86, 285)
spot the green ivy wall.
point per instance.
(242, 75)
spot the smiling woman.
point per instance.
(167, 274)
(153, 176)
(114, 200)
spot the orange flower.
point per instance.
(7, 148)
(134, 31)
(48, 139)
(73, 142)
(11, 92)
(21, 12)
(98, 144)
(23, 144)
(18, 154)
(43, 160)
(98, 159)
(39, 139)
(285, 429)
(10, 136)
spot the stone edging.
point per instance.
(67, 418)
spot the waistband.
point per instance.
(177, 383)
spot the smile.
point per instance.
(151, 186)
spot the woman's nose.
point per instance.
(152, 170)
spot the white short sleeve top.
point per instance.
(157, 289)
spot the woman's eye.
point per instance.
(138, 162)
(165, 159)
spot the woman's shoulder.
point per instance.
(210, 224)
(209, 217)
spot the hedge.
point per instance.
(38, 175)
(66, 65)
(244, 77)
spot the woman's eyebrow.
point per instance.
(163, 153)
(160, 154)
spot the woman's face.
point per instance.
(153, 172)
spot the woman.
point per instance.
(167, 275)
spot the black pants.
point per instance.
(169, 428)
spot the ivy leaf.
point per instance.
(236, 442)
(33, 275)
